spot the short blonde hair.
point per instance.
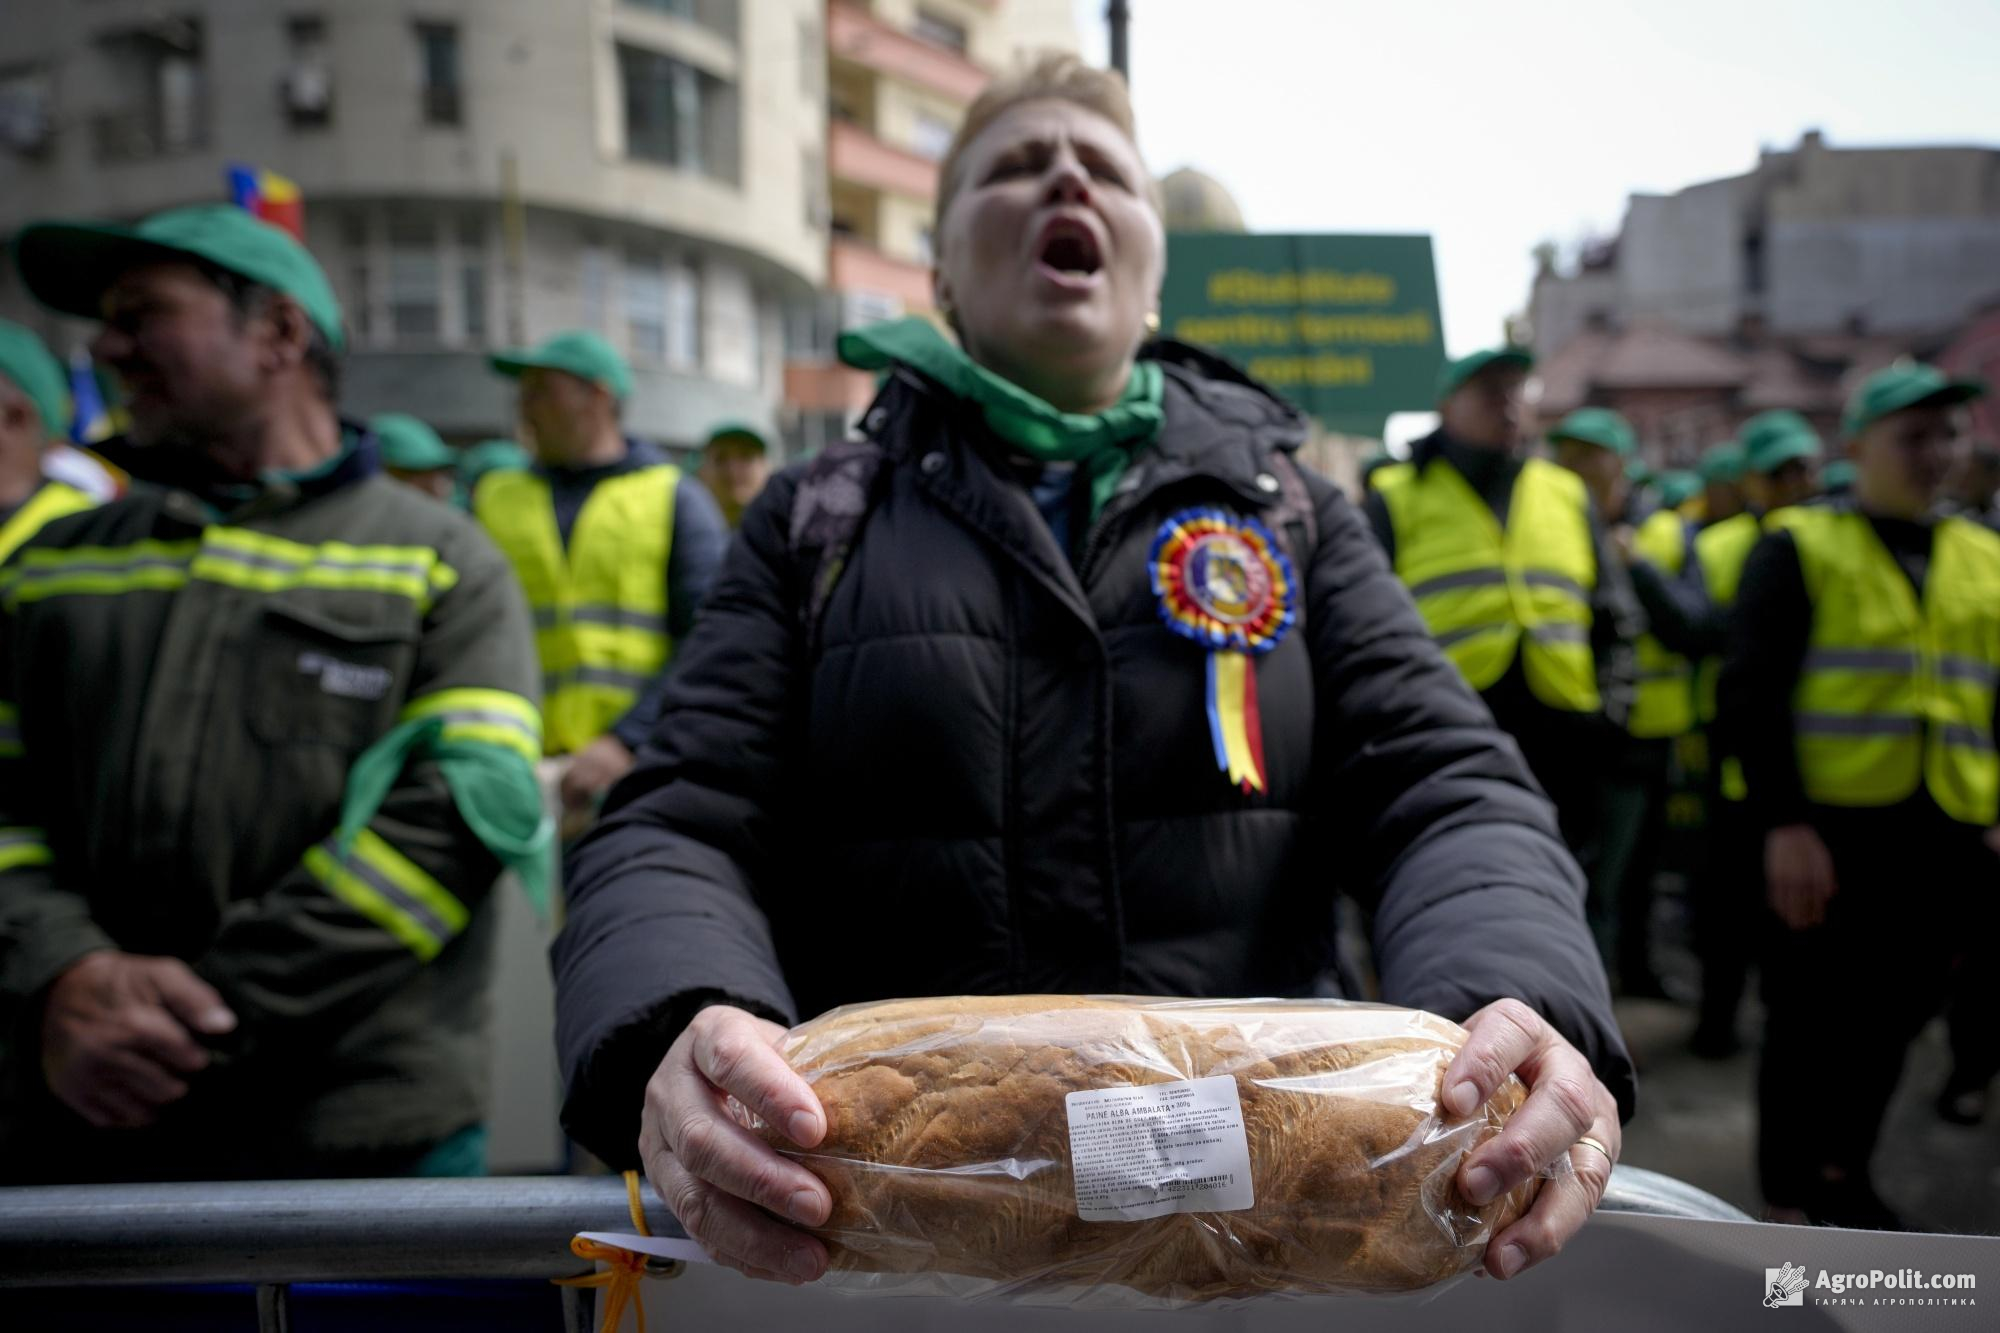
(1050, 76)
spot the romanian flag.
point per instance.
(90, 422)
(267, 195)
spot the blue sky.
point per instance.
(1495, 126)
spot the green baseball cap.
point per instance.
(1837, 477)
(575, 352)
(26, 361)
(69, 265)
(739, 430)
(1455, 373)
(1599, 426)
(1772, 439)
(1678, 487)
(491, 456)
(1721, 464)
(1905, 384)
(408, 445)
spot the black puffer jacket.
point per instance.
(993, 774)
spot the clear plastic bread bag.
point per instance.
(1106, 1151)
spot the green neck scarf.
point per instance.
(495, 791)
(1101, 443)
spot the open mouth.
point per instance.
(1071, 250)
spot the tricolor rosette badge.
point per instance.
(1222, 582)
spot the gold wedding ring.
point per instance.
(1588, 1142)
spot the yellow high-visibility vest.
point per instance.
(1488, 592)
(1895, 693)
(1664, 705)
(601, 606)
(52, 501)
(1723, 549)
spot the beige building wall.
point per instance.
(906, 228)
(393, 199)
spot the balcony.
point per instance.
(859, 158)
(856, 36)
(858, 267)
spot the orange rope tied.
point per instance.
(637, 1205)
(625, 1270)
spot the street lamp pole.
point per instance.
(1118, 13)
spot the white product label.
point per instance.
(1142, 1152)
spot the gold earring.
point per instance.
(1152, 323)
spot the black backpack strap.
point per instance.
(1293, 517)
(828, 510)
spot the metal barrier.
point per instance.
(274, 1233)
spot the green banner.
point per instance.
(1347, 327)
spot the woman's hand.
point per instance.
(1565, 1102)
(722, 1182)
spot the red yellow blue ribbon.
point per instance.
(1223, 582)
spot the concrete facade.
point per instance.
(493, 201)
(1782, 287)
(1815, 240)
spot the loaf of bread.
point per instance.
(954, 1140)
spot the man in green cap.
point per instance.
(1780, 452)
(34, 413)
(1678, 486)
(735, 464)
(1836, 479)
(1721, 472)
(253, 712)
(1509, 565)
(476, 460)
(616, 550)
(1860, 692)
(413, 454)
(1600, 446)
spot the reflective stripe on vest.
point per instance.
(600, 607)
(1486, 592)
(1894, 694)
(52, 501)
(1665, 702)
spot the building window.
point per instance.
(646, 308)
(683, 316)
(595, 281)
(472, 282)
(160, 72)
(718, 16)
(939, 31)
(437, 55)
(676, 115)
(25, 127)
(926, 246)
(360, 302)
(306, 88)
(930, 136)
(416, 282)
